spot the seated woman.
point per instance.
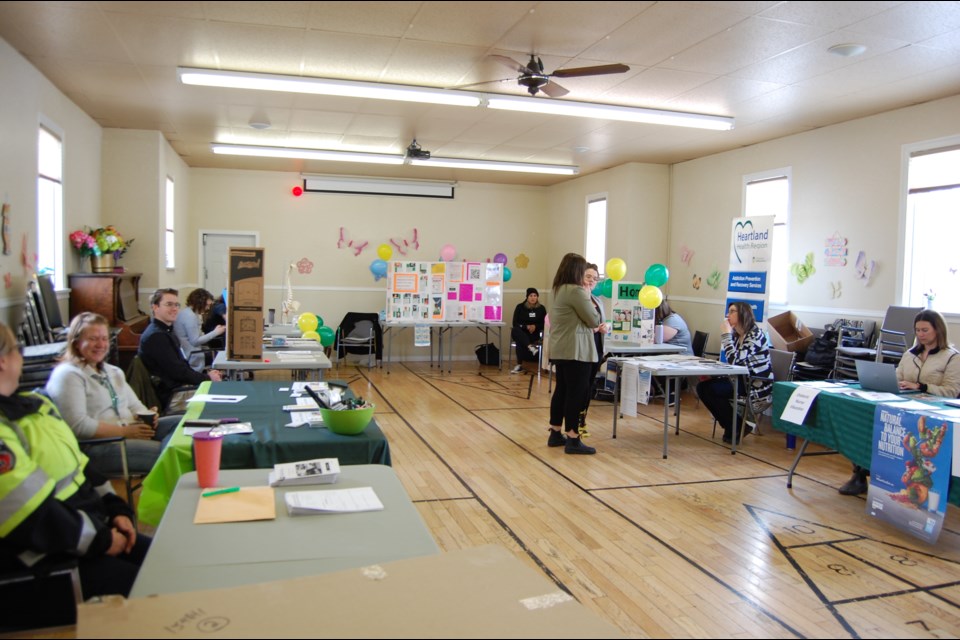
(187, 328)
(215, 317)
(931, 366)
(675, 330)
(96, 401)
(52, 502)
(744, 344)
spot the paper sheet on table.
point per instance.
(224, 429)
(629, 374)
(333, 501)
(874, 396)
(823, 385)
(799, 404)
(913, 405)
(212, 397)
(300, 418)
(248, 504)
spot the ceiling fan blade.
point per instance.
(554, 90)
(509, 62)
(598, 70)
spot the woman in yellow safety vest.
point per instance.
(50, 503)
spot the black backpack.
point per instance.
(488, 354)
(822, 352)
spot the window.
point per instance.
(596, 245)
(768, 194)
(932, 227)
(50, 204)
(170, 246)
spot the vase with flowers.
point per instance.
(104, 245)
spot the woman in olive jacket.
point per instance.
(573, 321)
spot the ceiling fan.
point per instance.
(536, 80)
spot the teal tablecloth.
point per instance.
(270, 443)
(839, 422)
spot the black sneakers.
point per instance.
(857, 483)
(556, 439)
(575, 446)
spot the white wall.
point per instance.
(846, 180)
(29, 99)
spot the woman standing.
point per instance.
(573, 321)
(744, 345)
(187, 328)
(590, 278)
(96, 402)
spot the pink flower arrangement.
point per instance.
(98, 242)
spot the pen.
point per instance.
(220, 491)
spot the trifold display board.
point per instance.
(444, 291)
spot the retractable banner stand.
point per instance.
(751, 248)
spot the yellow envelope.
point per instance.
(249, 503)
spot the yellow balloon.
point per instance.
(650, 296)
(616, 269)
(307, 322)
(312, 335)
(385, 252)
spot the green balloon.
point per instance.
(657, 275)
(326, 336)
(606, 288)
(598, 289)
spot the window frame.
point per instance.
(590, 200)
(780, 274)
(43, 184)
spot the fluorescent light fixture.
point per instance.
(306, 154)
(609, 112)
(496, 165)
(326, 86)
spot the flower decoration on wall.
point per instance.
(100, 241)
(304, 266)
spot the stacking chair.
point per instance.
(896, 333)
(359, 334)
(752, 411)
(699, 345)
(854, 340)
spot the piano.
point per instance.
(115, 296)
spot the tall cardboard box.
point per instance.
(245, 304)
(788, 333)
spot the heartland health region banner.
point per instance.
(751, 248)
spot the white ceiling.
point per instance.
(764, 63)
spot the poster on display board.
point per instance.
(751, 250)
(423, 292)
(910, 470)
(629, 320)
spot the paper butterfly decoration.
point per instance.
(356, 245)
(835, 286)
(686, 255)
(696, 281)
(402, 245)
(7, 280)
(865, 268)
(803, 270)
(714, 280)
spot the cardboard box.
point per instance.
(788, 333)
(484, 592)
(245, 304)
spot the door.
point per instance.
(215, 247)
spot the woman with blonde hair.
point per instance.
(96, 402)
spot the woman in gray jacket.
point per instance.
(573, 320)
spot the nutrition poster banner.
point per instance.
(910, 470)
(751, 249)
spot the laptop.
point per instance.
(878, 376)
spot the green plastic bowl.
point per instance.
(349, 422)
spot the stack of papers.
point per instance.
(227, 429)
(332, 501)
(318, 471)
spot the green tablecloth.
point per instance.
(270, 443)
(839, 422)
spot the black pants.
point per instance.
(716, 395)
(524, 339)
(109, 575)
(571, 395)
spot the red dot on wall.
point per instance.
(297, 191)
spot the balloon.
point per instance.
(616, 269)
(319, 321)
(507, 274)
(448, 252)
(650, 297)
(607, 288)
(500, 258)
(326, 336)
(379, 269)
(311, 335)
(307, 322)
(657, 275)
(385, 252)
(598, 288)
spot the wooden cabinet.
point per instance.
(115, 296)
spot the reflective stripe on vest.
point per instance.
(23, 500)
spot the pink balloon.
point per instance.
(448, 252)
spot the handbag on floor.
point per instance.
(488, 354)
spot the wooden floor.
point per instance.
(702, 544)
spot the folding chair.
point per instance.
(359, 334)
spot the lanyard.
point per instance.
(104, 380)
